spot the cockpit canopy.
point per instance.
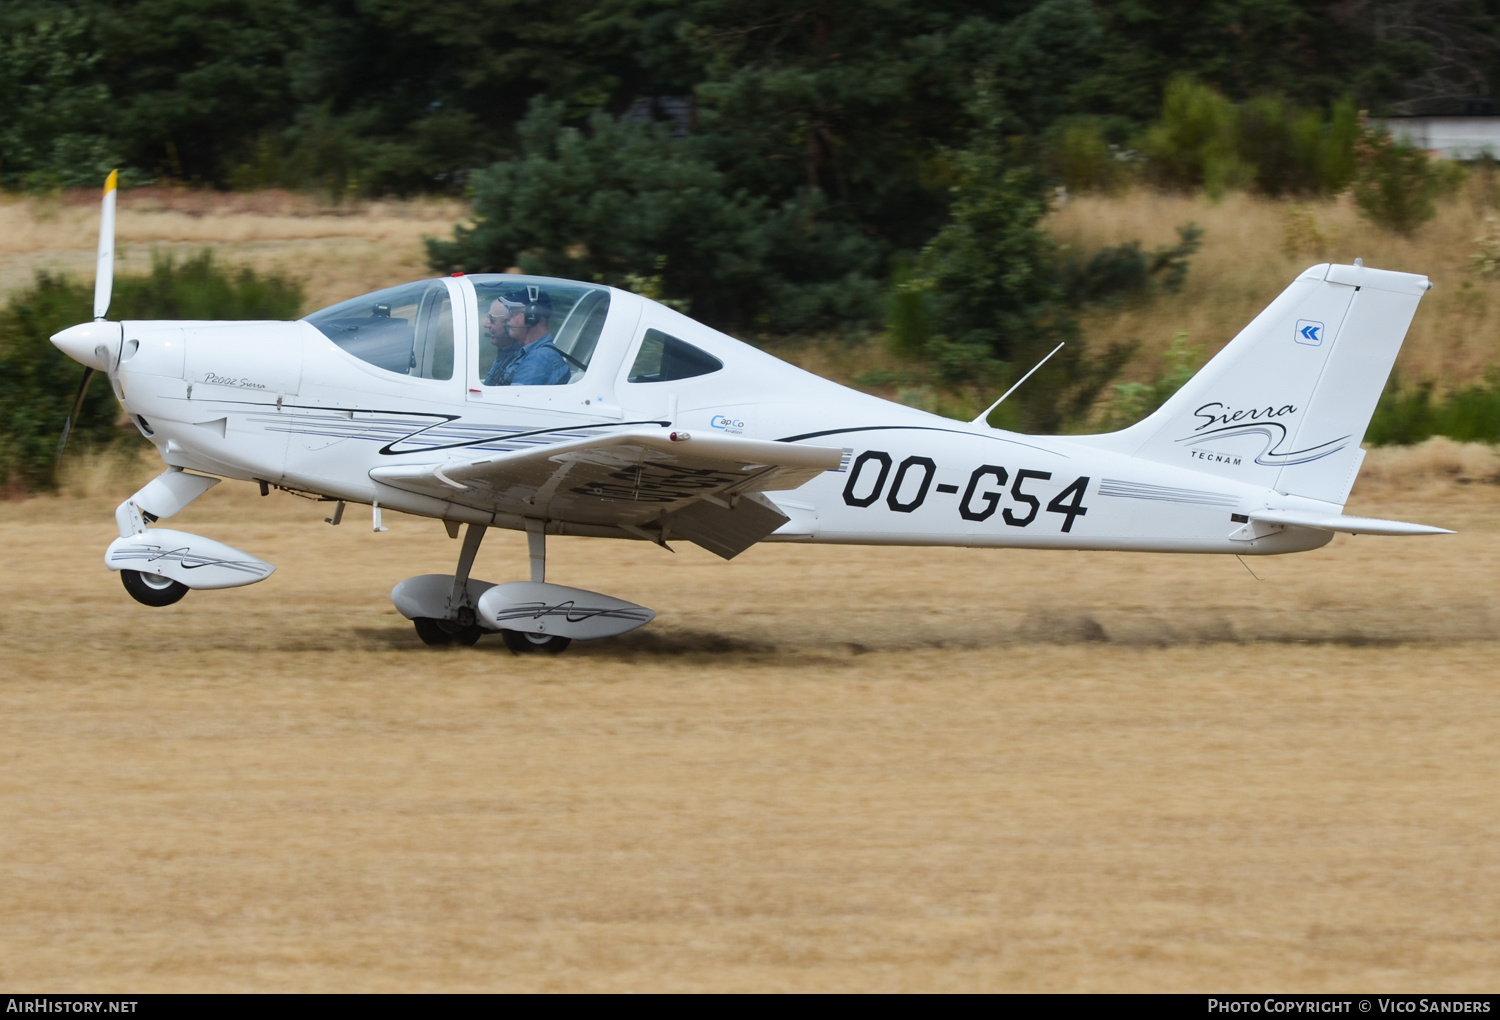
(409, 329)
(535, 312)
(406, 329)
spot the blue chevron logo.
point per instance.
(1309, 332)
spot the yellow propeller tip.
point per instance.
(109, 182)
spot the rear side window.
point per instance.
(664, 358)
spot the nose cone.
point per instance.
(95, 344)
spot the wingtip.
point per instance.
(111, 181)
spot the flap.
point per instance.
(725, 529)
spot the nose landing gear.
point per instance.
(152, 589)
(522, 643)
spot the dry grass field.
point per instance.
(1253, 247)
(338, 251)
(820, 768)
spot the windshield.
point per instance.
(406, 329)
(535, 331)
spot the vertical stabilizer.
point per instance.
(1285, 405)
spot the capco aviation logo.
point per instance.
(1309, 332)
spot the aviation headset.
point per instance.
(536, 305)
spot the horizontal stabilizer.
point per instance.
(1338, 522)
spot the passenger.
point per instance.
(528, 322)
(506, 348)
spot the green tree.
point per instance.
(195, 82)
(987, 298)
(55, 129)
(858, 99)
(619, 200)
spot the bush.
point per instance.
(38, 382)
(1410, 415)
(1088, 154)
(1124, 271)
(1267, 143)
(1194, 144)
(1395, 183)
(1295, 151)
(986, 295)
(1133, 401)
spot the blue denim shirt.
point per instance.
(538, 364)
(503, 357)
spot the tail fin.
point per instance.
(1287, 402)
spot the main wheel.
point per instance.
(547, 644)
(468, 636)
(152, 589)
(439, 633)
(431, 632)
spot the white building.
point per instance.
(1448, 137)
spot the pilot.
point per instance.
(506, 347)
(528, 323)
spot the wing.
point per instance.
(654, 483)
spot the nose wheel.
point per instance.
(152, 589)
(546, 644)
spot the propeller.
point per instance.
(83, 389)
(104, 270)
(86, 343)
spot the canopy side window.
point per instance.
(664, 358)
(579, 335)
(407, 330)
(537, 333)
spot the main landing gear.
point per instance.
(530, 616)
(439, 633)
(461, 624)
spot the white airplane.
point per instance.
(613, 416)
